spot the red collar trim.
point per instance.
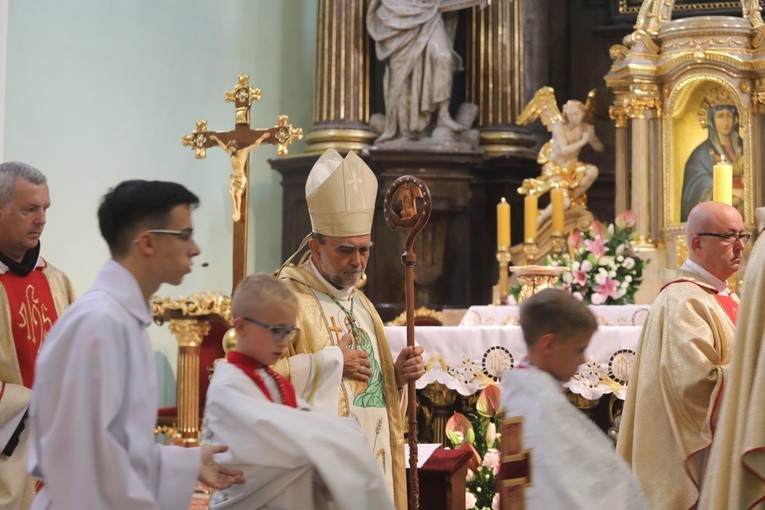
(250, 367)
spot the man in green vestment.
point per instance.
(340, 361)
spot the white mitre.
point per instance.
(341, 195)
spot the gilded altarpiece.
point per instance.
(667, 76)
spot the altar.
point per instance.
(468, 358)
(462, 360)
(623, 315)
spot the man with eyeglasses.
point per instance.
(33, 294)
(340, 361)
(675, 384)
(94, 404)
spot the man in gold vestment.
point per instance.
(675, 384)
(33, 294)
(340, 362)
(735, 475)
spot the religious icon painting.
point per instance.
(708, 123)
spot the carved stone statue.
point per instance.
(571, 131)
(415, 39)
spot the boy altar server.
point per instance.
(573, 464)
(94, 400)
(291, 457)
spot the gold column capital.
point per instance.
(619, 115)
(643, 101)
(189, 332)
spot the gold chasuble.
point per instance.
(29, 305)
(674, 389)
(314, 366)
(735, 475)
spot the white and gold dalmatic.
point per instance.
(675, 385)
(735, 476)
(341, 196)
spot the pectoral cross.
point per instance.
(336, 329)
(238, 143)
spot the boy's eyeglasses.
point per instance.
(184, 235)
(730, 237)
(280, 333)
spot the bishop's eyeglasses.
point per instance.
(730, 237)
(279, 333)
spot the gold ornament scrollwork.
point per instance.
(201, 305)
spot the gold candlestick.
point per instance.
(558, 244)
(530, 250)
(536, 278)
(504, 258)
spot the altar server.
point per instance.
(94, 401)
(292, 457)
(572, 462)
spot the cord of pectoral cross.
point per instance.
(351, 320)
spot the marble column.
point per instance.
(506, 63)
(342, 92)
(642, 104)
(641, 180)
(621, 122)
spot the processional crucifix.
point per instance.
(238, 143)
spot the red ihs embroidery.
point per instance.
(33, 312)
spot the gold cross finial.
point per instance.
(243, 92)
(285, 134)
(197, 140)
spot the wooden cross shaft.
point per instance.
(404, 191)
(238, 143)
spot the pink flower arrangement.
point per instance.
(603, 267)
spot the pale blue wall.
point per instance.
(100, 91)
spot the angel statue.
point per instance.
(571, 130)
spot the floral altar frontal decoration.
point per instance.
(603, 268)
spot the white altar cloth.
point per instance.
(623, 315)
(467, 359)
